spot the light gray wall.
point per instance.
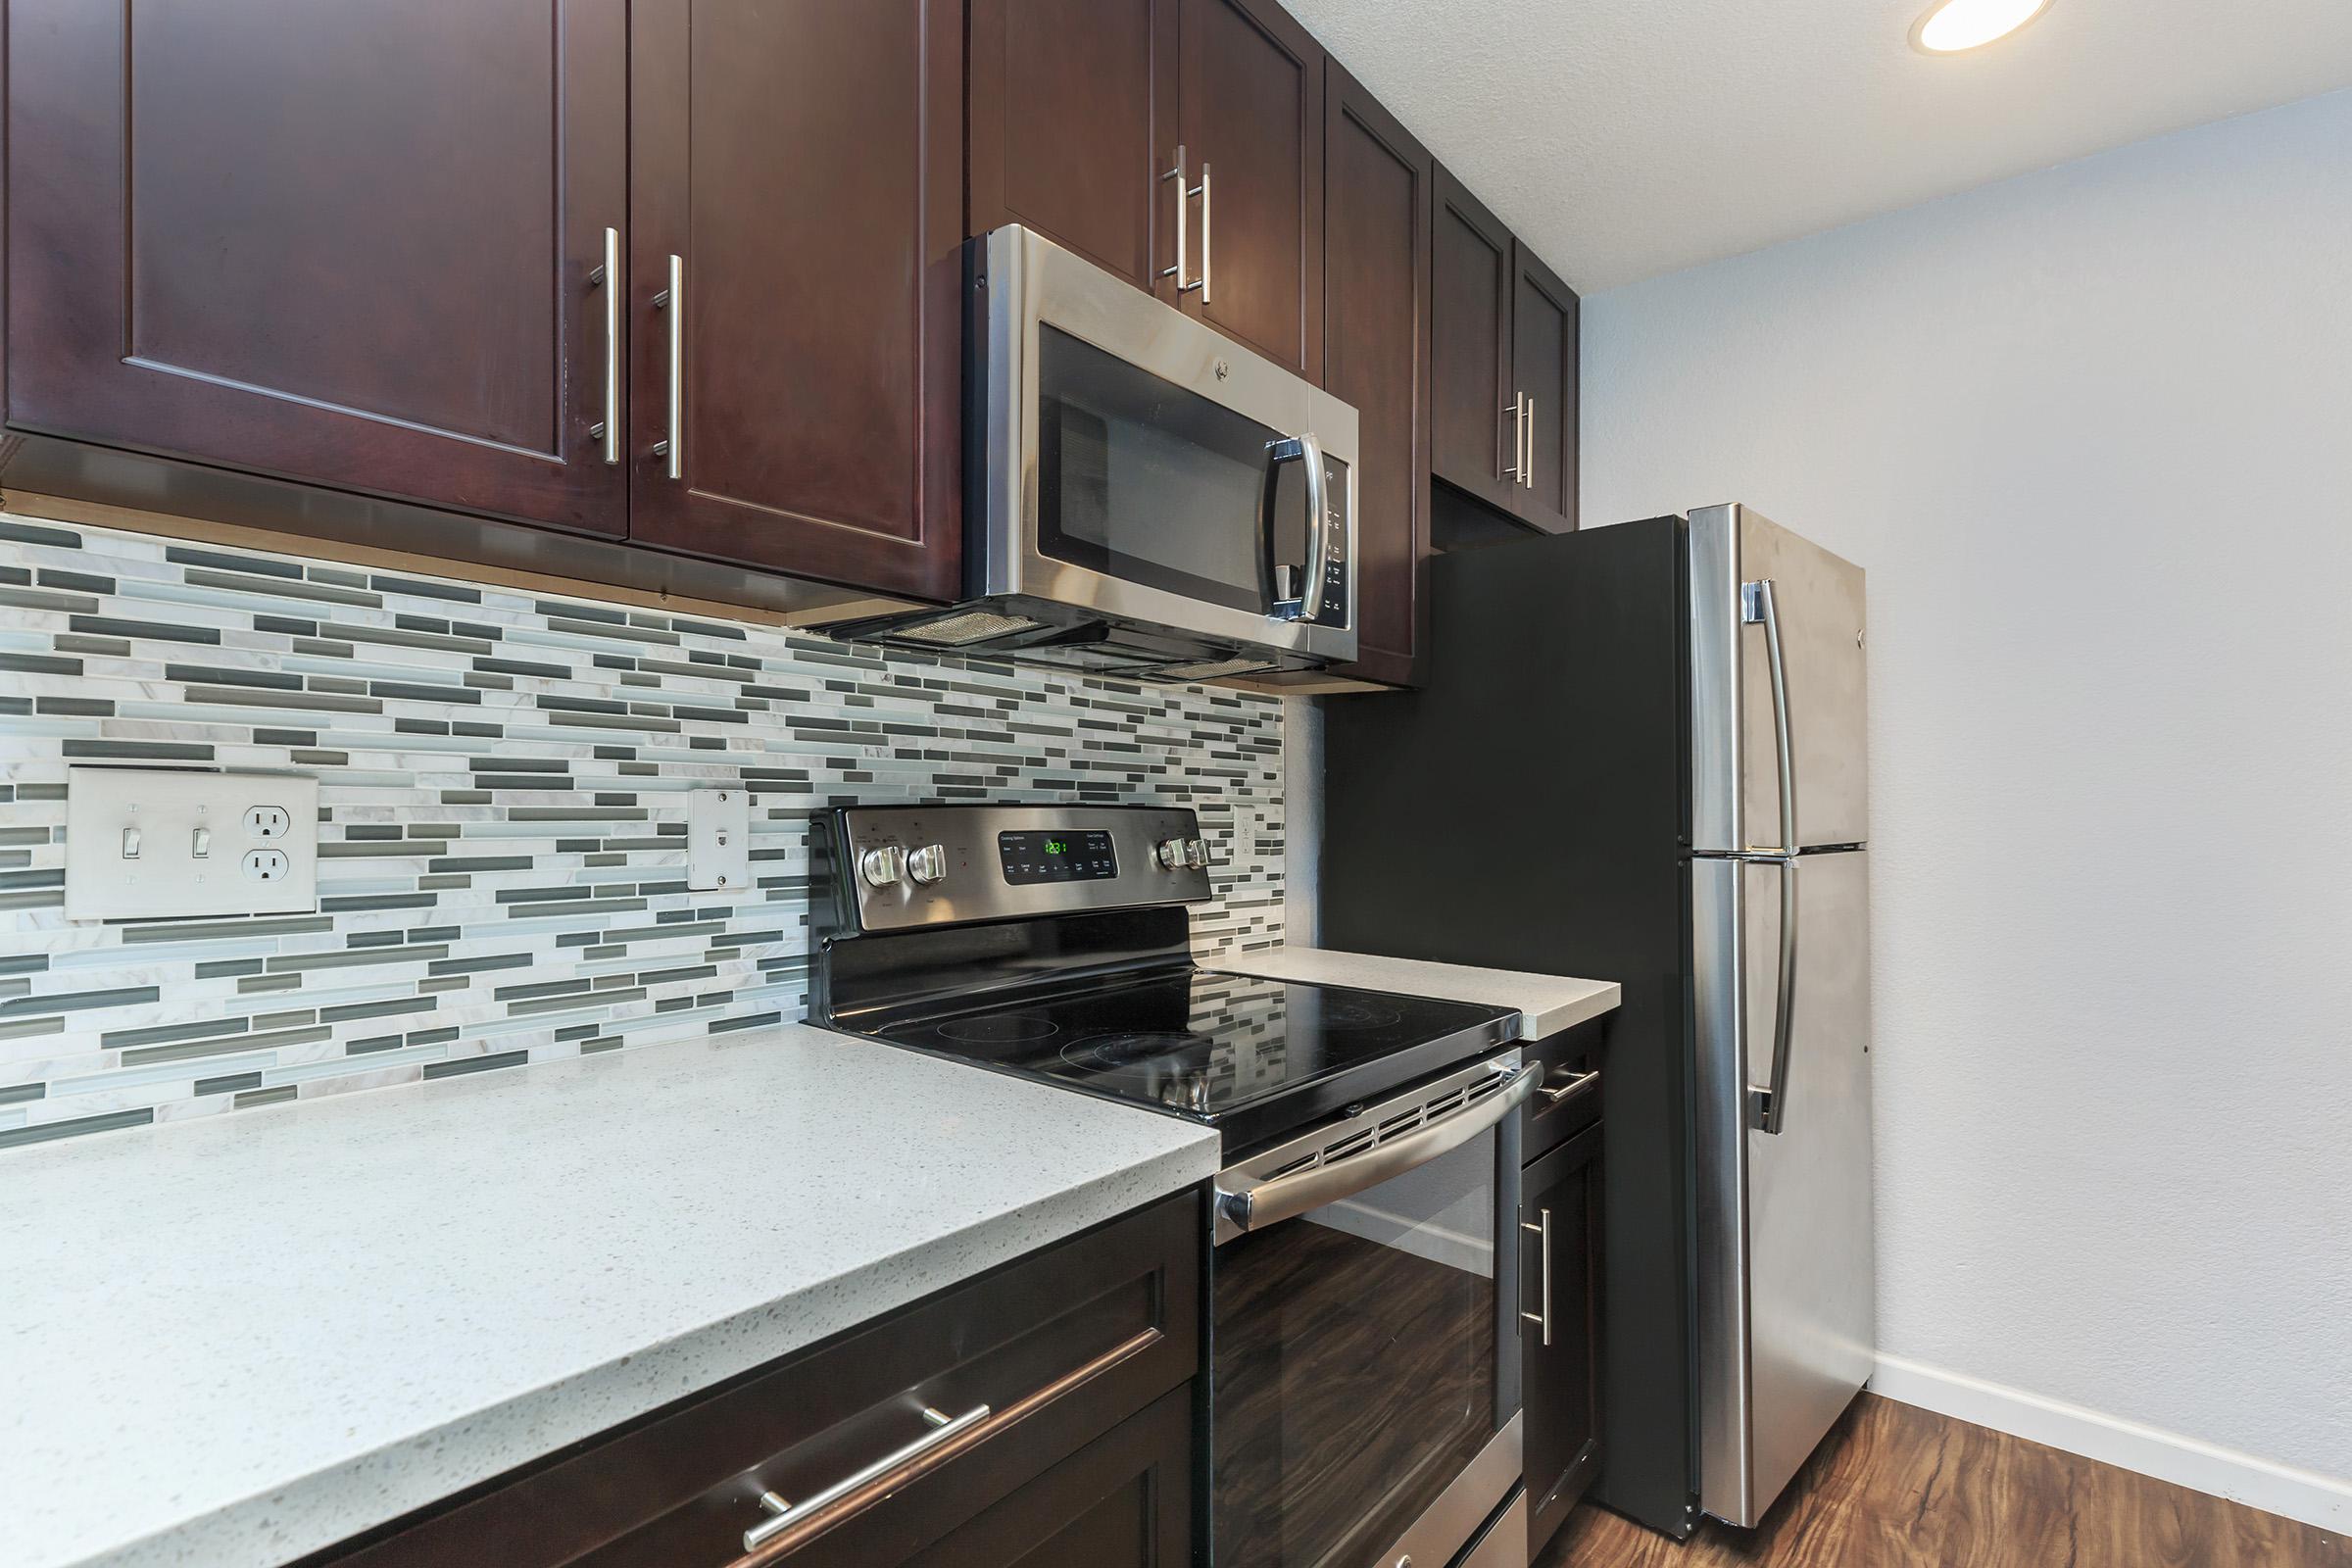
(2090, 431)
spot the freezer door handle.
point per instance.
(1757, 607)
(1766, 1103)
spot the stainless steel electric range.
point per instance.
(1364, 1402)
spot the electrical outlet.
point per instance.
(145, 843)
(718, 840)
(266, 865)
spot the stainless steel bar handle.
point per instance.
(1184, 197)
(1527, 462)
(1517, 409)
(673, 300)
(1209, 214)
(1542, 1319)
(1177, 175)
(784, 1515)
(1255, 1205)
(1576, 1086)
(608, 278)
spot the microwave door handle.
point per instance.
(1249, 1205)
(1307, 603)
(1318, 536)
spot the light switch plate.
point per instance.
(204, 843)
(718, 840)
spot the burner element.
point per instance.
(1128, 1047)
(1359, 1015)
(998, 1029)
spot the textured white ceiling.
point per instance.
(1628, 137)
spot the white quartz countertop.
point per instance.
(237, 1340)
(1545, 1002)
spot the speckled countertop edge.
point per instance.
(113, 1460)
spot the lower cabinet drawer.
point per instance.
(1568, 1101)
(878, 1448)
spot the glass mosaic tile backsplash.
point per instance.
(502, 815)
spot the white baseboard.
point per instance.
(2305, 1494)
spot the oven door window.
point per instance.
(1355, 1365)
(1141, 479)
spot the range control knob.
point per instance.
(1196, 853)
(883, 868)
(1171, 853)
(927, 864)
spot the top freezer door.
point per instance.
(1766, 604)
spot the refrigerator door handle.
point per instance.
(1766, 1104)
(1757, 607)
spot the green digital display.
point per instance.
(1084, 855)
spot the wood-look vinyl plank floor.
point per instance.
(1897, 1487)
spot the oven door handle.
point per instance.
(1247, 1204)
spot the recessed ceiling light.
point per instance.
(1951, 25)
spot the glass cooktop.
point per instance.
(1254, 1058)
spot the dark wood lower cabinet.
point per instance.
(1124, 1500)
(1084, 1355)
(1559, 1357)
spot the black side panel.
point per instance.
(1530, 810)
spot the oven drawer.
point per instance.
(1568, 1101)
(1020, 1369)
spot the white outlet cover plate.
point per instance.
(167, 880)
(718, 840)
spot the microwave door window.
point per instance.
(1355, 1365)
(1143, 481)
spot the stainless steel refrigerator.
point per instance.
(1640, 755)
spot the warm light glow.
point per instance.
(1951, 26)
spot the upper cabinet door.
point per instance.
(1376, 270)
(354, 245)
(795, 286)
(1544, 324)
(1474, 415)
(1074, 120)
(1251, 126)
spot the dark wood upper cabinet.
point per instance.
(1073, 119)
(1251, 115)
(1559, 1352)
(1470, 347)
(1544, 327)
(1503, 337)
(350, 245)
(1376, 341)
(801, 160)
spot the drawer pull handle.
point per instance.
(799, 1524)
(1576, 1085)
(788, 1514)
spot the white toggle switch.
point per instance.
(130, 844)
(200, 843)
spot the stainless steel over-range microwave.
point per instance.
(1144, 495)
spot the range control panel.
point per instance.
(912, 865)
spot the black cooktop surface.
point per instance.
(1254, 1058)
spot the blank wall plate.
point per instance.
(145, 842)
(718, 840)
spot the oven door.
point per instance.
(1137, 465)
(1366, 1391)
